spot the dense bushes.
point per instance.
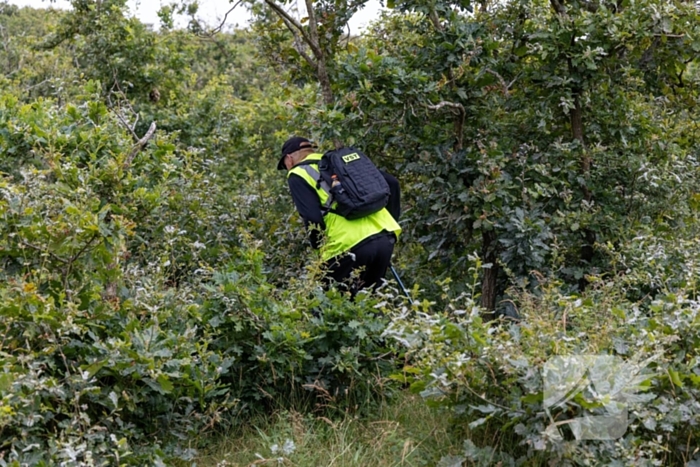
(642, 365)
(152, 294)
(136, 311)
(106, 383)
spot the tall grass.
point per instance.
(403, 432)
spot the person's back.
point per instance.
(364, 245)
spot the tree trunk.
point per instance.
(325, 82)
(489, 283)
(320, 55)
(312, 39)
(326, 91)
(576, 115)
(577, 133)
(459, 130)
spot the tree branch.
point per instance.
(38, 84)
(220, 27)
(291, 21)
(312, 39)
(435, 20)
(114, 107)
(42, 250)
(69, 266)
(505, 85)
(83, 249)
(313, 29)
(558, 7)
(458, 123)
(140, 145)
(454, 105)
(591, 6)
(299, 43)
(216, 30)
(122, 120)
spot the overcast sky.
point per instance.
(212, 11)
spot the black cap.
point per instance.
(293, 144)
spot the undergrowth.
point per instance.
(401, 432)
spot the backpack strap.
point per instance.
(306, 166)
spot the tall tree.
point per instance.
(561, 101)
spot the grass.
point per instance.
(404, 432)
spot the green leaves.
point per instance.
(142, 300)
(494, 378)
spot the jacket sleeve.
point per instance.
(394, 204)
(309, 207)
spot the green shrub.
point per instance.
(492, 377)
(137, 314)
(317, 348)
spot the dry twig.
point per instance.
(140, 144)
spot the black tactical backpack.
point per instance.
(352, 181)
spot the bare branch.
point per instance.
(140, 145)
(69, 266)
(510, 85)
(117, 108)
(435, 20)
(221, 26)
(306, 57)
(453, 105)
(378, 122)
(38, 84)
(216, 30)
(500, 78)
(123, 121)
(506, 86)
(458, 123)
(311, 37)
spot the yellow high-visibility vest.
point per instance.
(343, 234)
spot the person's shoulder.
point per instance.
(296, 180)
(294, 175)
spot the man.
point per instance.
(362, 245)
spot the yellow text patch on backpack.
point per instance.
(351, 157)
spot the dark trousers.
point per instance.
(364, 265)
